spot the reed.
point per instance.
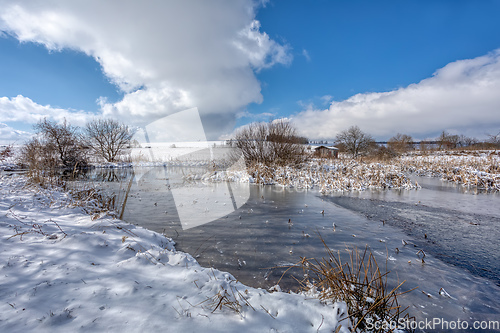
(359, 283)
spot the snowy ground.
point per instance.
(62, 271)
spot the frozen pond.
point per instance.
(458, 230)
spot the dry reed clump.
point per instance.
(6, 152)
(339, 175)
(359, 283)
(93, 201)
(477, 171)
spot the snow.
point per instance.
(471, 169)
(61, 270)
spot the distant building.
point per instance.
(328, 152)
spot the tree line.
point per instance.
(357, 142)
(277, 142)
(63, 146)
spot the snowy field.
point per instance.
(61, 271)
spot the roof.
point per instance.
(331, 148)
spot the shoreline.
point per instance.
(65, 271)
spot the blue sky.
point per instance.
(416, 67)
(370, 46)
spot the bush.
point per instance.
(270, 143)
(55, 147)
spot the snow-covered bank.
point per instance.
(62, 271)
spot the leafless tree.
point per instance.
(447, 140)
(400, 143)
(355, 141)
(494, 139)
(108, 137)
(60, 142)
(466, 141)
(275, 142)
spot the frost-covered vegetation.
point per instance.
(478, 169)
(340, 175)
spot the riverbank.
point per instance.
(65, 271)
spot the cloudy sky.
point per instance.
(415, 67)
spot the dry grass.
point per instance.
(330, 176)
(480, 170)
(93, 202)
(473, 169)
(6, 152)
(359, 283)
(229, 298)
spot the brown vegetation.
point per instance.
(400, 143)
(354, 141)
(359, 283)
(274, 143)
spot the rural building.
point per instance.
(324, 151)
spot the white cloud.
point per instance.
(264, 116)
(9, 135)
(326, 99)
(306, 55)
(165, 55)
(23, 109)
(462, 97)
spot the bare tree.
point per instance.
(61, 141)
(355, 141)
(108, 137)
(400, 143)
(494, 139)
(447, 140)
(466, 141)
(270, 143)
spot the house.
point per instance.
(328, 152)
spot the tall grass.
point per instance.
(359, 283)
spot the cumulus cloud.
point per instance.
(461, 97)
(166, 56)
(23, 109)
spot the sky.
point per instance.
(389, 66)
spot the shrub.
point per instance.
(270, 143)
